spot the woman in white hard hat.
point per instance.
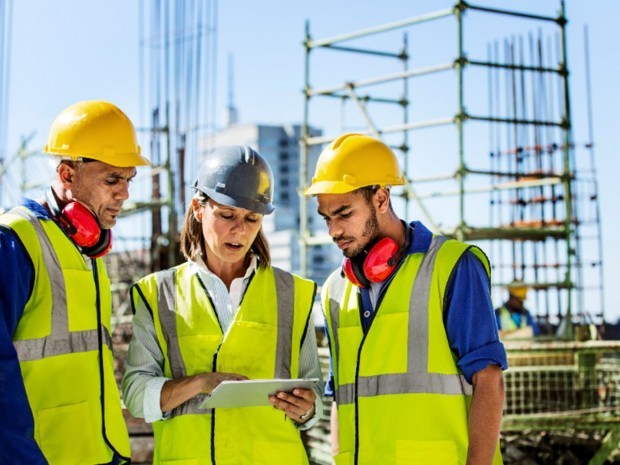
(225, 314)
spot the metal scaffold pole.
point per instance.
(6, 9)
(535, 222)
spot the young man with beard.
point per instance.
(416, 359)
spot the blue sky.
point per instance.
(70, 50)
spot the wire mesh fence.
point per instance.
(558, 385)
(562, 405)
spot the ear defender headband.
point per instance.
(81, 226)
(376, 265)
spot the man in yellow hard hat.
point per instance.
(513, 319)
(415, 355)
(59, 399)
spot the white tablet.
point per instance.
(253, 392)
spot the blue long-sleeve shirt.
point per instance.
(17, 444)
(469, 317)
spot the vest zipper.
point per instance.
(100, 358)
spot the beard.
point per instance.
(370, 231)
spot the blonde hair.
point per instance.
(192, 241)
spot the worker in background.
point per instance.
(59, 400)
(415, 355)
(513, 319)
(224, 314)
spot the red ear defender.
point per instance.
(102, 247)
(377, 265)
(381, 260)
(353, 272)
(80, 223)
(82, 227)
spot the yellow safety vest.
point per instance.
(400, 395)
(507, 323)
(264, 341)
(64, 346)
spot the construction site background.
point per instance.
(485, 127)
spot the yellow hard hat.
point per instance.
(518, 289)
(98, 130)
(353, 161)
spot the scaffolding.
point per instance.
(178, 55)
(177, 109)
(5, 69)
(500, 166)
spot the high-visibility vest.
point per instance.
(507, 323)
(264, 341)
(64, 345)
(401, 398)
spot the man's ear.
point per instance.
(66, 173)
(382, 199)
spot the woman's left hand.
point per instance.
(298, 405)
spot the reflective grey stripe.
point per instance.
(60, 319)
(166, 282)
(166, 303)
(417, 379)
(78, 341)
(417, 341)
(412, 383)
(285, 295)
(335, 296)
(60, 341)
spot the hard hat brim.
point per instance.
(329, 187)
(120, 160)
(246, 204)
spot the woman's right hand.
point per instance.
(209, 381)
(176, 391)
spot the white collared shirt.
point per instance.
(226, 301)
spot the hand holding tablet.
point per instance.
(253, 392)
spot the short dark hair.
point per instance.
(369, 191)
